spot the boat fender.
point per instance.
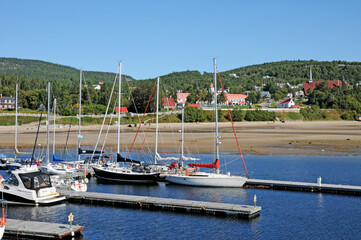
(1, 178)
(3, 219)
(79, 166)
(68, 167)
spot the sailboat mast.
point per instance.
(119, 104)
(16, 119)
(182, 137)
(47, 127)
(79, 133)
(216, 110)
(156, 128)
(54, 126)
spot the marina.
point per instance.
(303, 186)
(40, 230)
(164, 204)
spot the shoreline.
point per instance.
(256, 138)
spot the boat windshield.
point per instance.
(35, 180)
(12, 180)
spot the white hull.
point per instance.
(2, 230)
(207, 180)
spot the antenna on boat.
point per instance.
(79, 133)
(41, 108)
(156, 128)
(119, 103)
(54, 125)
(47, 127)
(16, 120)
(182, 137)
(216, 111)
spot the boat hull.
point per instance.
(124, 177)
(212, 180)
(13, 197)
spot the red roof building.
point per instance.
(236, 99)
(182, 98)
(195, 105)
(331, 84)
(122, 109)
(288, 103)
(168, 103)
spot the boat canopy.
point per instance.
(55, 159)
(90, 151)
(215, 164)
(126, 160)
(35, 180)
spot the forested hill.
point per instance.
(245, 78)
(42, 70)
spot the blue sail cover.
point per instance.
(56, 159)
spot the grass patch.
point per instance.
(10, 120)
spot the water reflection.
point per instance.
(320, 200)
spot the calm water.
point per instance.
(284, 215)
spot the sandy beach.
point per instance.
(302, 138)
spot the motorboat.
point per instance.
(29, 185)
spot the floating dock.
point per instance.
(164, 204)
(40, 230)
(304, 186)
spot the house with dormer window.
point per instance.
(7, 102)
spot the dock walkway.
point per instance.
(165, 204)
(303, 186)
(40, 230)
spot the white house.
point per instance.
(288, 103)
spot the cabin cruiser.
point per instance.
(30, 186)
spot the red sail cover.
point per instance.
(210, 165)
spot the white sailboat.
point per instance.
(204, 179)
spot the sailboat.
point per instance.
(61, 174)
(191, 177)
(136, 173)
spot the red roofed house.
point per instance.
(168, 103)
(288, 103)
(195, 105)
(182, 98)
(313, 84)
(236, 99)
(122, 109)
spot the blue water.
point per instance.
(284, 214)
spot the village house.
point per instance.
(122, 109)
(7, 102)
(288, 103)
(236, 99)
(312, 84)
(168, 103)
(181, 99)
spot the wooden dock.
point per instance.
(303, 186)
(40, 230)
(164, 204)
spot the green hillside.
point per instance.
(32, 76)
(49, 71)
(245, 78)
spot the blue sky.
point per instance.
(154, 38)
